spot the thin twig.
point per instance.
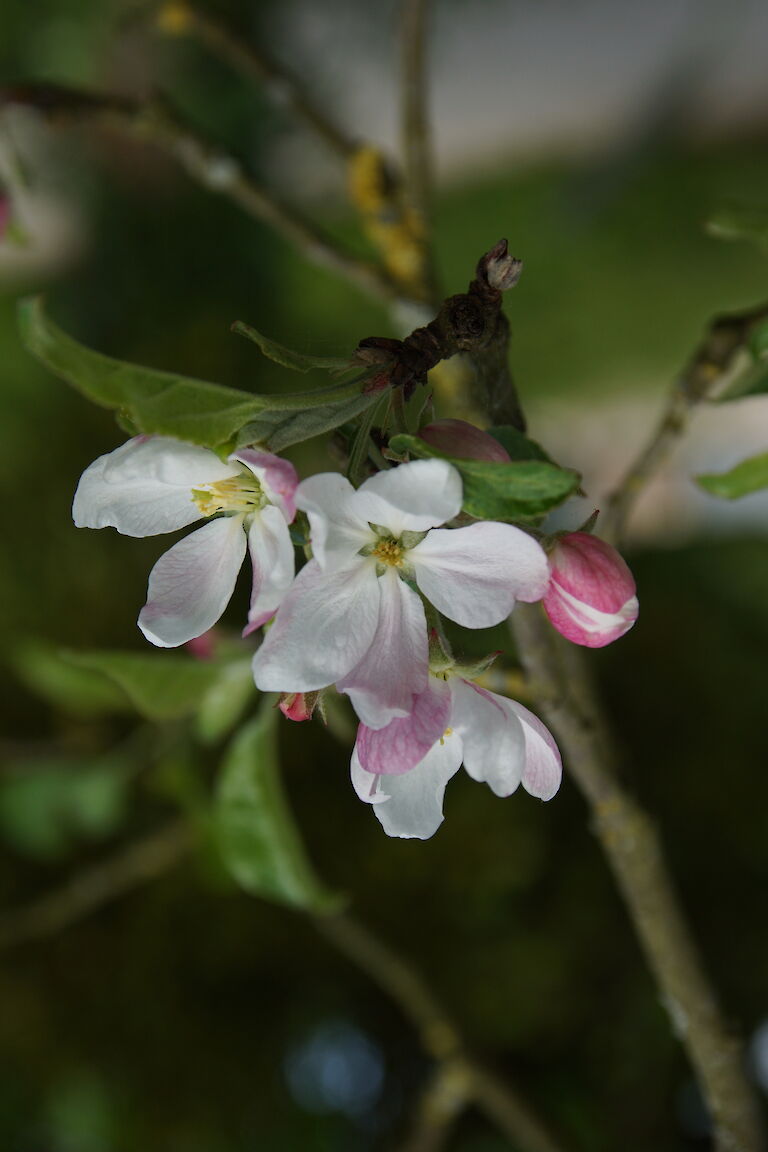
(698, 381)
(439, 1035)
(94, 887)
(155, 123)
(415, 129)
(279, 84)
(560, 683)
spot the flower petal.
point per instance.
(338, 533)
(278, 478)
(406, 741)
(145, 486)
(274, 565)
(543, 767)
(411, 805)
(492, 735)
(583, 624)
(395, 667)
(412, 497)
(323, 628)
(474, 575)
(192, 583)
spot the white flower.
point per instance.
(154, 484)
(352, 617)
(403, 769)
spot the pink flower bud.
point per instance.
(298, 706)
(591, 595)
(463, 441)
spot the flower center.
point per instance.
(241, 493)
(390, 552)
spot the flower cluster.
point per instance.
(388, 561)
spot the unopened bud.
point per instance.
(463, 441)
(298, 706)
(502, 271)
(591, 595)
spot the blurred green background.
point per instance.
(188, 1015)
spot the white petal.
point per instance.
(395, 667)
(323, 628)
(145, 486)
(411, 805)
(412, 497)
(192, 583)
(273, 562)
(543, 766)
(474, 575)
(406, 740)
(277, 477)
(338, 533)
(492, 735)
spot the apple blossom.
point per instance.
(591, 595)
(352, 616)
(154, 484)
(403, 769)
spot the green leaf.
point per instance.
(160, 685)
(299, 361)
(277, 430)
(739, 222)
(225, 701)
(257, 837)
(164, 403)
(48, 673)
(522, 490)
(517, 443)
(749, 476)
(753, 381)
(758, 340)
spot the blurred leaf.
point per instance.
(257, 836)
(517, 443)
(299, 361)
(738, 222)
(758, 340)
(47, 805)
(225, 701)
(164, 403)
(522, 490)
(79, 691)
(753, 381)
(161, 686)
(749, 476)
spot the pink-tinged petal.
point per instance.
(463, 441)
(145, 486)
(492, 735)
(412, 497)
(474, 575)
(337, 532)
(277, 476)
(591, 596)
(323, 628)
(411, 805)
(192, 583)
(543, 767)
(273, 563)
(404, 742)
(395, 667)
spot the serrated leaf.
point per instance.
(160, 685)
(164, 403)
(521, 490)
(750, 475)
(517, 443)
(277, 430)
(298, 361)
(255, 830)
(740, 222)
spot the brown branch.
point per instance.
(698, 382)
(94, 887)
(466, 1079)
(156, 124)
(282, 87)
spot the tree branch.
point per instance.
(156, 124)
(698, 381)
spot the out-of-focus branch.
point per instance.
(179, 18)
(91, 889)
(698, 381)
(415, 132)
(461, 1080)
(156, 124)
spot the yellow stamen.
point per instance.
(389, 552)
(241, 493)
(448, 732)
